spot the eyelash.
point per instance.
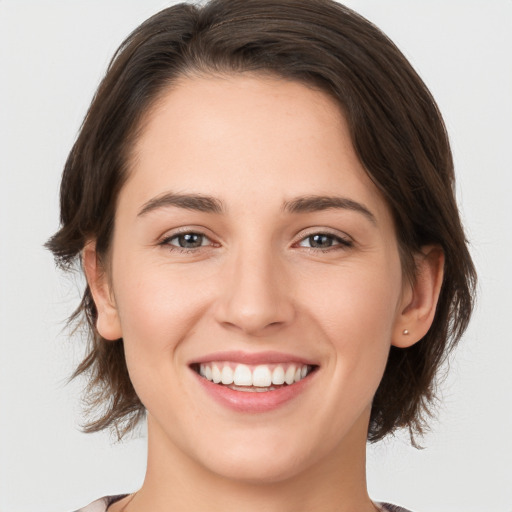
(338, 242)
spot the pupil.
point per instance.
(190, 240)
(320, 241)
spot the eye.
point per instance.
(323, 241)
(188, 240)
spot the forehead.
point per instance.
(246, 137)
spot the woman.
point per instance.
(261, 197)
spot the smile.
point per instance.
(253, 378)
(254, 382)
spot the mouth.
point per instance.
(261, 378)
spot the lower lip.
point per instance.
(254, 402)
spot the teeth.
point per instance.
(227, 375)
(278, 375)
(242, 376)
(259, 377)
(216, 375)
(252, 389)
(290, 375)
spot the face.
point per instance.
(254, 277)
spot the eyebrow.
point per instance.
(209, 204)
(308, 204)
(195, 202)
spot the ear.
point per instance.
(419, 300)
(107, 323)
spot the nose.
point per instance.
(256, 295)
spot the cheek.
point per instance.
(158, 308)
(157, 312)
(356, 312)
(355, 302)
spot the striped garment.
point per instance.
(102, 504)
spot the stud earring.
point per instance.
(405, 332)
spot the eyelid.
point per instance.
(169, 233)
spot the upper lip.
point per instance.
(253, 358)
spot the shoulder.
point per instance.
(387, 507)
(102, 504)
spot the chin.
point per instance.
(264, 470)
(262, 458)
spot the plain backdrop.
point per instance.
(52, 56)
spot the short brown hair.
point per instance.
(396, 129)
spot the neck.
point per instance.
(174, 481)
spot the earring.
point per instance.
(405, 332)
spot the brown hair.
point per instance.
(396, 129)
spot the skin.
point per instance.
(256, 283)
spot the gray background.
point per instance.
(52, 55)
